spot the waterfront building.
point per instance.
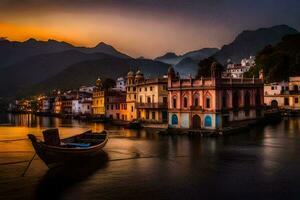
(130, 112)
(146, 99)
(57, 105)
(276, 95)
(152, 99)
(46, 104)
(294, 93)
(98, 104)
(76, 110)
(213, 102)
(85, 106)
(114, 102)
(20, 106)
(66, 105)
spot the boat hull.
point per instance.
(53, 155)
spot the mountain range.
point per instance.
(12, 52)
(30, 65)
(38, 66)
(187, 63)
(247, 43)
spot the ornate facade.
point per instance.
(147, 99)
(212, 102)
(98, 104)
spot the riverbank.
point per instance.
(232, 128)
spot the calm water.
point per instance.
(261, 164)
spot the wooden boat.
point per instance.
(54, 151)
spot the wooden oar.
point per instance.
(27, 167)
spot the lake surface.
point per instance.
(263, 163)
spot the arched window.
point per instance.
(185, 102)
(174, 101)
(207, 121)
(174, 119)
(196, 100)
(207, 102)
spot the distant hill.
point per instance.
(187, 63)
(280, 61)
(173, 59)
(250, 43)
(12, 52)
(87, 72)
(169, 58)
(37, 68)
(187, 66)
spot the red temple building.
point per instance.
(213, 102)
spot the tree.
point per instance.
(204, 67)
(109, 83)
(279, 62)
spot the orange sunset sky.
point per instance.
(139, 28)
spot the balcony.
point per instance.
(196, 108)
(152, 105)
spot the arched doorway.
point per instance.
(174, 119)
(208, 121)
(196, 122)
(274, 104)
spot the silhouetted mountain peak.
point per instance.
(168, 55)
(31, 40)
(250, 42)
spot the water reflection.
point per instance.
(57, 180)
(145, 165)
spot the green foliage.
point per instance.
(109, 83)
(279, 62)
(204, 65)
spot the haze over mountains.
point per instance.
(12, 52)
(39, 66)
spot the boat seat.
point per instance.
(51, 137)
(82, 140)
(81, 145)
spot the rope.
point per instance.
(14, 140)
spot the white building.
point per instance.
(88, 89)
(75, 107)
(85, 106)
(120, 84)
(82, 106)
(237, 70)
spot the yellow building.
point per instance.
(147, 99)
(294, 93)
(128, 110)
(98, 104)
